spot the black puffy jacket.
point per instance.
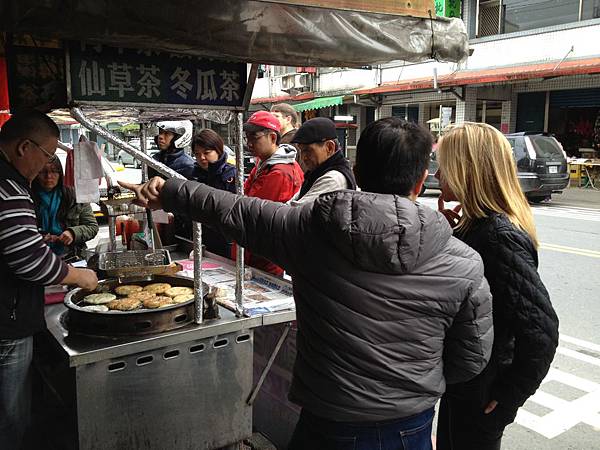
(525, 324)
(389, 304)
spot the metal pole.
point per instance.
(267, 368)
(149, 228)
(198, 290)
(239, 260)
(144, 149)
(103, 132)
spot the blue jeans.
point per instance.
(409, 433)
(15, 391)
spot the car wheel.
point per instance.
(538, 199)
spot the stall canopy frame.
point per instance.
(251, 31)
(265, 32)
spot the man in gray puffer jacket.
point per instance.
(390, 306)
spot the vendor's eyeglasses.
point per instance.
(51, 157)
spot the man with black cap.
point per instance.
(326, 168)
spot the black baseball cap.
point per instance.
(319, 129)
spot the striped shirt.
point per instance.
(21, 245)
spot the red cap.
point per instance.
(262, 119)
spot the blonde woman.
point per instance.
(477, 169)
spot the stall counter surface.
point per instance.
(82, 349)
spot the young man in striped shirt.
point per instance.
(27, 142)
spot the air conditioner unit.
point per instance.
(295, 82)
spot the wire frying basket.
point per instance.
(135, 263)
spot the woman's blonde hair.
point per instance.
(477, 164)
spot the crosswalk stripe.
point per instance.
(580, 356)
(579, 342)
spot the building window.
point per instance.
(521, 15)
(489, 112)
(509, 16)
(590, 9)
(408, 113)
(283, 70)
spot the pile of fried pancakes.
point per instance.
(130, 297)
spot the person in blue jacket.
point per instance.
(212, 169)
(173, 137)
(211, 166)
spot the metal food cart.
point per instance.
(195, 385)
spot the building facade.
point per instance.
(535, 66)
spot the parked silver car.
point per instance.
(125, 159)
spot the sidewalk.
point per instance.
(576, 197)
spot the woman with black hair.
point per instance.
(212, 169)
(65, 224)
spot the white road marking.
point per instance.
(580, 342)
(566, 414)
(589, 214)
(565, 212)
(579, 356)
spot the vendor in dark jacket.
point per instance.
(65, 224)
(389, 304)
(477, 169)
(213, 170)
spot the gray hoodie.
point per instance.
(389, 304)
(285, 154)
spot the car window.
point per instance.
(517, 147)
(519, 153)
(546, 147)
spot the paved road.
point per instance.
(565, 412)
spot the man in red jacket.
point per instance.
(276, 176)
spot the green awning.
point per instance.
(318, 103)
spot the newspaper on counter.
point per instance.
(262, 294)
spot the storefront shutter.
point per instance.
(575, 98)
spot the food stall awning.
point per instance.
(252, 31)
(317, 103)
(498, 75)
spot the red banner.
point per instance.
(4, 105)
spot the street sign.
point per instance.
(36, 75)
(447, 8)
(445, 117)
(102, 75)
